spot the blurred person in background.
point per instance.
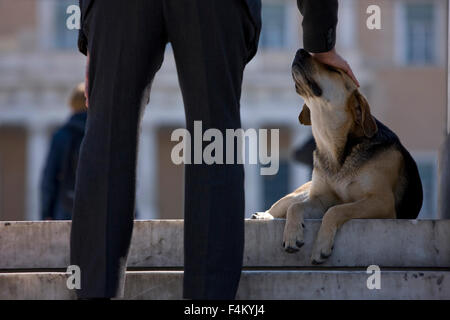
(304, 154)
(58, 179)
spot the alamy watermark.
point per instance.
(213, 153)
(74, 277)
(74, 18)
(374, 280)
(373, 22)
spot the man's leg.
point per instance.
(211, 41)
(126, 41)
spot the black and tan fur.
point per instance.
(361, 169)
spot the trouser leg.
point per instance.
(126, 46)
(210, 39)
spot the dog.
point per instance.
(361, 169)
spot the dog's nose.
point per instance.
(301, 56)
(304, 54)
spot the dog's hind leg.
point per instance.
(279, 208)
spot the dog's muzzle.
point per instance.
(302, 73)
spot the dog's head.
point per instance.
(330, 94)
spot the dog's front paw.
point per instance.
(262, 216)
(293, 238)
(323, 247)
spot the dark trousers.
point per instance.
(212, 41)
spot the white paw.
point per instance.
(262, 216)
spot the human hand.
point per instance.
(332, 58)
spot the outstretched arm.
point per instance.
(320, 19)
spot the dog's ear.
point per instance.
(305, 116)
(361, 114)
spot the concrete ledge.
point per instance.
(283, 285)
(159, 243)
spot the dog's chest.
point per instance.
(344, 179)
(347, 190)
(348, 183)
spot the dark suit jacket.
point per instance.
(319, 23)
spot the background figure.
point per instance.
(58, 179)
(304, 153)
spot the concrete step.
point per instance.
(282, 285)
(159, 243)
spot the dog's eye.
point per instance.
(332, 69)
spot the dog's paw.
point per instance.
(262, 216)
(321, 251)
(293, 239)
(319, 257)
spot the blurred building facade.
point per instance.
(401, 67)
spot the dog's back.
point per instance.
(410, 195)
(410, 203)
